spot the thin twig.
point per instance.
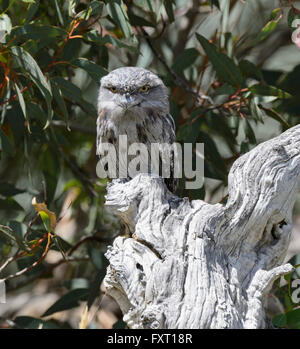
(63, 124)
(35, 264)
(47, 271)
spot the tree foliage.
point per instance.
(231, 87)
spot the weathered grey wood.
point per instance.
(196, 265)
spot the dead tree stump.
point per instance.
(196, 265)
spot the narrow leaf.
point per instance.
(266, 90)
(117, 11)
(185, 59)
(68, 301)
(32, 9)
(94, 36)
(29, 65)
(224, 66)
(23, 106)
(60, 102)
(6, 189)
(276, 116)
(29, 322)
(168, 4)
(215, 2)
(10, 234)
(255, 110)
(250, 70)
(249, 132)
(59, 13)
(73, 93)
(268, 28)
(95, 71)
(5, 144)
(95, 287)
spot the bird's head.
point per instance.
(132, 89)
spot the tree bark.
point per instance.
(196, 265)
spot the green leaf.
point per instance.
(120, 324)
(95, 71)
(23, 106)
(29, 322)
(198, 194)
(32, 9)
(11, 235)
(94, 36)
(7, 189)
(5, 144)
(95, 287)
(265, 90)
(268, 28)
(215, 2)
(168, 4)
(72, 6)
(85, 14)
(46, 221)
(224, 66)
(61, 248)
(68, 301)
(185, 59)
(117, 11)
(225, 89)
(245, 146)
(61, 245)
(10, 208)
(57, 94)
(5, 97)
(50, 166)
(60, 15)
(279, 320)
(219, 123)
(293, 318)
(36, 112)
(29, 1)
(139, 21)
(29, 65)
(276, 116)
(34, 31)
(250, 134)
(97, 7)
(250, 70)
(188, 132)
(255, 110)
(214, 164)
(73, 93)
(97, 257)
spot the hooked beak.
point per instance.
(127, 101)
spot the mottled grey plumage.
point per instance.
(134, 102)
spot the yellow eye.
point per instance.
(113, 89)
(144, 88)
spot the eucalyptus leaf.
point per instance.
(95, 71)
(224, 66)
(68, 301)
(31, 68)
(11, 235)
(117, 11)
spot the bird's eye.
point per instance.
(113, 89)
(144, 88)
